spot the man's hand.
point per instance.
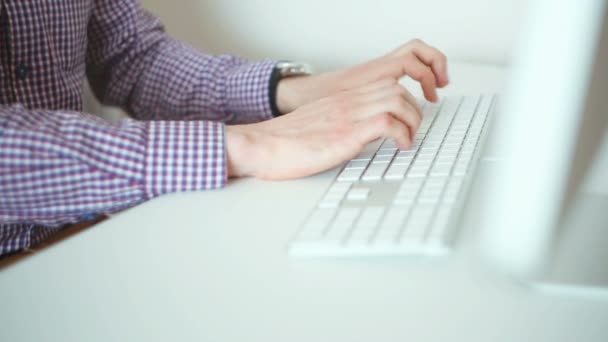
(324, 133)
(415, 59)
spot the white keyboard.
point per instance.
(401, 202)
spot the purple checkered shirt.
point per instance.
(59, 165)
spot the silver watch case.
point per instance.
(290, 69)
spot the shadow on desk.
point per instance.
(60, 235)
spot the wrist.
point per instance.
(241, 151)
(294, 92)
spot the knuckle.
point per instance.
(400, 102)
(410, 59)
(398, 88)
(393, 81)
(416, 41)
(385, 121)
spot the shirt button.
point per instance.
(22, 71)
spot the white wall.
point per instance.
(333, 33)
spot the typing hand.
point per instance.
(324, 133)
(416, 59)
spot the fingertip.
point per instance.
(446, 78)
(432, 97)
(406, 145)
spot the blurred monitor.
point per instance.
(540, 224)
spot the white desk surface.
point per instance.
(213, 266)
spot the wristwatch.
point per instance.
(284, 69)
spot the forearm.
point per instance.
(62, 167)
(134, 64)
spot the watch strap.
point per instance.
(275, 77)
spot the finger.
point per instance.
(436, 60)
(392, 91)
(397, 106)
(374, 86)
(422, 73)
(405, 112)
(382, 125)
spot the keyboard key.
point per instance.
(426, 157)
(447, 154)
(430, 196)
(333, 196)
(430, 109)
(317, 223)
(432, 143)
(389, 144)
(416, 144)
(392, 224)
(441, 171)
(451, 194)
(332, 203)
(407, 194)
(340, 188)
(372, 215)
(386, 152)
(422, 162)
(484, 106)
(366, 225)
(405, 198)
(411, 183)
(405, 153)
(469, 103)
(432, 189)
(438, 235)
(357, 164)
(375, 172)
(446, 159)
(402, 160)
(396, 171)
(350, 175)
(418, 171)
(382, 159)
(342, 224)
(460, 169)
(403, 202)
(358, 194)
(438, 181)
(467, 149)
(365, 155)
(417, 224)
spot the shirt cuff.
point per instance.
(184, 156)
(247, 91)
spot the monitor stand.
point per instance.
(579, 262)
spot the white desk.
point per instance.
(213, 267)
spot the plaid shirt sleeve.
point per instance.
(65, 167)
(134, 64)
(62, 166)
